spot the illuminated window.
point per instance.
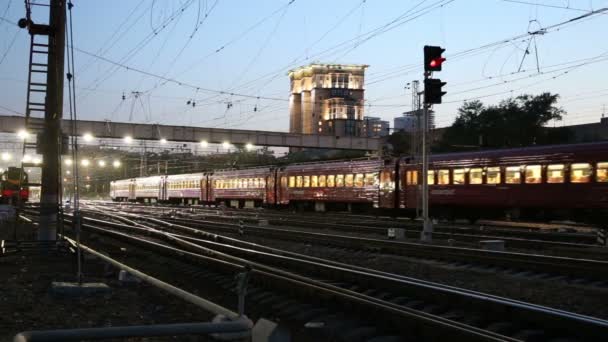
(533, 174)
(322, 181)
(555, 173)
(306, 181)
(413, 177)
(371, 179)
(459, 176)
(476, 176)
(314, 181)
(359, 180)
(430, 178)
(339, 180)
(331, 181)
(493, 175)
(580, 173)
(292, 181)
(263, 182)
(298, 181)
(513, 175)
(348, 180)
(602, 172)
(256, 182)
(443, 177)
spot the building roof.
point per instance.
(307, 70)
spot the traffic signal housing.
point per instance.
(433, 91)
(433, 58)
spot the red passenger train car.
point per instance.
(545, 181)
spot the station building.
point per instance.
(327, 99)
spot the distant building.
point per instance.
(409, 121)
(375, 127)
(327, 99)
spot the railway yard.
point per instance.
(337, 276)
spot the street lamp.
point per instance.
(116, 164)
(204, 143)
(85, 162)
(249, 147)
(226, 144)
(163, 141)
(68, 162)
(101, 163)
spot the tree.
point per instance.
(513, 122)
(400, 142)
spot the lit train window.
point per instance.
(443, 177)
(359, 180)
(331, 181)
(602, 172)
(314, 181)
(306, 181)
(256, 182)
(555, 173)
(513, 175)
(476, 176)
(459, 176)
(322, 181)
(298, 181)
(412, 177)
(580, 173)
(292, 181)
(339, 180)
(371, 179)
(263, 182)
(348, 180)
(493, 175)
(533, 174)
(233, 183)
(430, 177)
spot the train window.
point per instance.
(580, 173)
(430, 177)
(458, 176)
(331, 181)
(314, 181)
(298, 181)
(533, 174)
(493, 175)
(348, 180)
(339, 180)
(475, 176)
(371, 179)
(601, 174)
(263, 182)
(292, 181)
(412, 177)
(555, 173)
(322, 181)
(513, 175)
(359, 180)
(306, 181)
(443, 177)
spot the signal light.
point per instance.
(433, 91)
(433, 58)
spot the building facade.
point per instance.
(327, 99)
(374, 127)
(409, 121)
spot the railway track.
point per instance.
(426, 309)
(514, 237)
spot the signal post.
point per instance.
(433, 60)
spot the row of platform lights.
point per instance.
(128, 139)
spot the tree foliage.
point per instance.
(513, 122)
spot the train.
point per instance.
(544, 182)
(11, 188)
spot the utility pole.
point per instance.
(432, 94)
(415, 134)
(51, 146)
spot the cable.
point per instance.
(9, 46)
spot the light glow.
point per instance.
(101, 163)
(163, 141)
(6, 156)
(249, 147)
(226, 144)
(23, 134)
(116, 164)
(68, 162)
(204, 143)
(85, 162)
(128, 139)
(37, 160)
(87, 137)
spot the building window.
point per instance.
(602, 172)
(533, 174)
(513, 175)
(555, 173)
(580, 173)
(443, 177)
(476, 176)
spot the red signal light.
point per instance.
(436, 62)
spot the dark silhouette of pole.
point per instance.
(51, 146)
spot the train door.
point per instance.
(271, 188)
(203, 185)
(162, 189)
(386, 195)
(132, 185)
